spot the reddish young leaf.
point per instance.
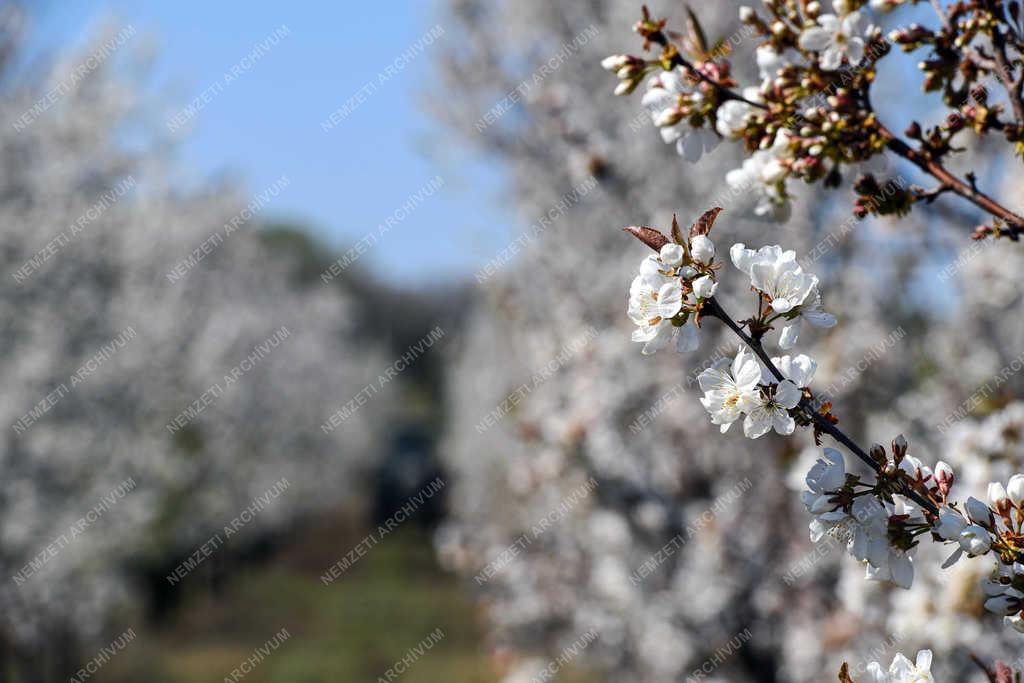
(705, 222)
(649, 236)
(677, 234)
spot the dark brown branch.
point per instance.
(714, 309)
(1015, 222)
(1004, 72)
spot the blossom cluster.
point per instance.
(811, 118)
(670, 295)
(901, 670)
(880, 522)
(881, 528)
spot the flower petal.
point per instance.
(688, 339)
(831, 58)
(816, 38)
(782, 422)
(790, 335)
(787, 395)
(855, 51)
(757, 423)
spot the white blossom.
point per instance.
(902, 670)
(764, 173)
(811, 311)
(672, 254)
(1009, 602)
(998, 497)
(975, 540)
(731, 117)
(835, 37)
(654, 300)
(731, 388)
(704, 287)
(775, 273)
(772, 412)
(662, 99)
(978, 512)
(798, 369)
(1015, 489)
(950, 524)
(614, 62)
(702, 249)
(769, 61)
(887, 562)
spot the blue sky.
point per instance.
(267, 124)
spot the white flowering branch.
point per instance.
(711, 307)
(902, 670)
(880, 522)
(811, 116)
(822, 423)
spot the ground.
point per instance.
(354, 629)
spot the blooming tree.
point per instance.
(152, 398)
(880, 522)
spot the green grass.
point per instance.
(355, 629)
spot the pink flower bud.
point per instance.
(944, 477)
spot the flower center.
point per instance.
(841, 532)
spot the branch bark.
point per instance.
(1014, 221)
(714, 309)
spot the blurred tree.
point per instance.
(164, 365)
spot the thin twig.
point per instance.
(1003, 71)
(714, 309)
(935, 169)
(991, 675)
(724, 91)
(1014, 221)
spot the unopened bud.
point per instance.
(899, 447)
(877, 453)
(980, 94)
(614, 62)
(978, 512)
(1015, 489)
(668, 117)
(944, 477)
(626, 87)
(997, 495)
(747, 14)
